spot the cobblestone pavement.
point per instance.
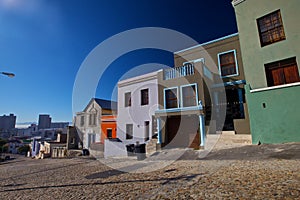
(243, 172)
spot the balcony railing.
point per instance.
(177, 72)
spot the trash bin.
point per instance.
(85, 152)
(140, 150)
(130, 149)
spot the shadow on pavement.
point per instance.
(162, 181)
(287, 151)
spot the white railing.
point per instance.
(177, 72)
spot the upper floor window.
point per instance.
(144, 97)
(81, 120)
(171, 100)
(93, 119)
(188, 94)
(228, 63)
(127, 99)
(129, 131)
(270, 28)
(282, 72)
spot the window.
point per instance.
(144, 97)
(81, 120)
(91, 139)
(270, 28)
(189, 97)
(282, 72)
(129, 131)
(227, 63)
(109, 133)
(127, 99)
(147, 130)
(92, 119)
(171, 98)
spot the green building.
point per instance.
(269, 33)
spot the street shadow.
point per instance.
(105, 174)
(162, 181)
(257, 152)
(40, 170)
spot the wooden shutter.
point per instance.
(291, 74)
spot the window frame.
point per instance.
(177, 95)
(93, 119)
(82, 120)
(270, 31)
(181, 95)
(146, 130)
(280, 64)
(145, 103)
(235, 60)
(129, 137)
(127, 103)
(194, 61)
(107, 133)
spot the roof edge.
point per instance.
(206, 43)
(236, 2)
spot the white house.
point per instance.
(137, 102)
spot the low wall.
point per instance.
(274, 114)
(114, 149)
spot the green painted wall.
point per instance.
(254, 56)
(279, 121)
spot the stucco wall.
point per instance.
(275, 115)
(254, 56)
(86, 128)
(108, 122)
(137, 114)
(209, 52)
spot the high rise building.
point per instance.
(44, 121)
(7, 122)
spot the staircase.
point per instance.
(151, 146)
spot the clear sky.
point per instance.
(44, 42)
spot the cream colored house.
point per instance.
(88, 123)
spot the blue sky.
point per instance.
(45, 42)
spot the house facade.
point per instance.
(108, 127)
(88, 123)
(137, 101)
(206, 83)
(269, 37)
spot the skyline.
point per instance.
(44, 43)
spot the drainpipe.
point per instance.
(159, 139)
(202, 130)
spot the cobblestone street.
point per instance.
(244, 172)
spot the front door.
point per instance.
(234, 107)
(91, 139)
(172, 128)
(109, 133)
(181, 131)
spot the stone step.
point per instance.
(228, 132)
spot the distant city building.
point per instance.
(27, 131)
(44, 122)
(59, 124)
(7, 122)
